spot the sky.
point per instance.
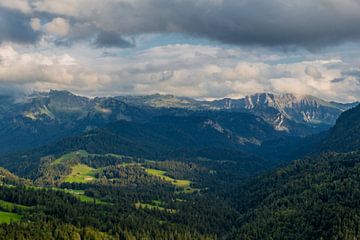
(205, 49)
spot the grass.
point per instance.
(182, 183)
(153, 206)
(80, 194)
(190, 190)
(6, 217)
(8, 206)
(176, 182)
(160, 174)
(81, 173)
(185, 185)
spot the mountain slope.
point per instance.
(158, 139)
(315, 198)
(345, 135)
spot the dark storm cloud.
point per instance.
(15, 27)
(265, 22)
(287, 23)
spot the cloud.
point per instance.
(181, 69)
(350, 74)
(79, 45)
(313, 72)
(19, 5)
(306, 23)
(58, 26)
(35, 24)
(291, 23)
(63, 7)
(20, 68)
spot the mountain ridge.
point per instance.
(286, 112)
(45, 117)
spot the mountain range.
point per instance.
(295, 114)
(42, 118)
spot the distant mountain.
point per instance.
(295, 114)
(164, 101)
(42, 118)
(283, 109)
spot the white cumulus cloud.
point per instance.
(58, 26)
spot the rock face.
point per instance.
(295, 114)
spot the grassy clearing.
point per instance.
(6, 217)
(81, 173)
(176, 182)
(190, 190)
(185, 185)
(8, 206)
(80, 194)
(153, 206)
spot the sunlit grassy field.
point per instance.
(183, 184)
(6, 217)
(154, 206)
(81, 173)
(8, 206)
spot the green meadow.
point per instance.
(153, 206)
(6, 217)
(8, 206)
(81, 173)
(183, 184)
(80, 194)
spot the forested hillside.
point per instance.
(345, 135)
(314, 198)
